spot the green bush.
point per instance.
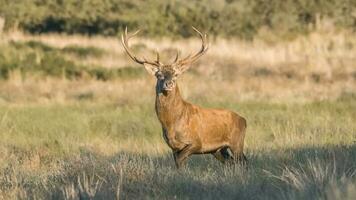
(34, 57)
(238, 18)
(83, 51)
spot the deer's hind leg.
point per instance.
(238, 155)
(219, 156)
(238, 146)
(222, 154)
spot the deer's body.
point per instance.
(189, 129)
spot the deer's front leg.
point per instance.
(181, 156)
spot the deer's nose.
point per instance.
(167, 84)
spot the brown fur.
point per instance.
(189, 129)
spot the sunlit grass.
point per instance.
(295, 151)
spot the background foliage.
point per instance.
(241, 18)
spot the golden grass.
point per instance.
(321, 50)
(296, 151)
(314, 67)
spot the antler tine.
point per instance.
(202, 51)
(125, 43)
(157, 58)
(176, 58)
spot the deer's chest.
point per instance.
(175, 139)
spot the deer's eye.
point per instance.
(159, 76)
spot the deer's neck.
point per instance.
(169, 106)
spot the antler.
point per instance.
(125, 39)
(190, 59)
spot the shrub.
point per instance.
(241, 18)
(83, 51)
(34, 57)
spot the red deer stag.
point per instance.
(189, 129)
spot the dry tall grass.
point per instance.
(314, 67)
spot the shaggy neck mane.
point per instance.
(169, 106)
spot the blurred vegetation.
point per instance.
(37, 58)
(241, 18)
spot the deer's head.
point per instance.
(166, 74)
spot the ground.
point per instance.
(295, 151)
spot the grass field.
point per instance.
(68, 133)
(296, 151)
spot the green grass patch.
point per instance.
(296, 151)
(34, 58)
(83, 52)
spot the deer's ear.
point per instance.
(151, 69)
